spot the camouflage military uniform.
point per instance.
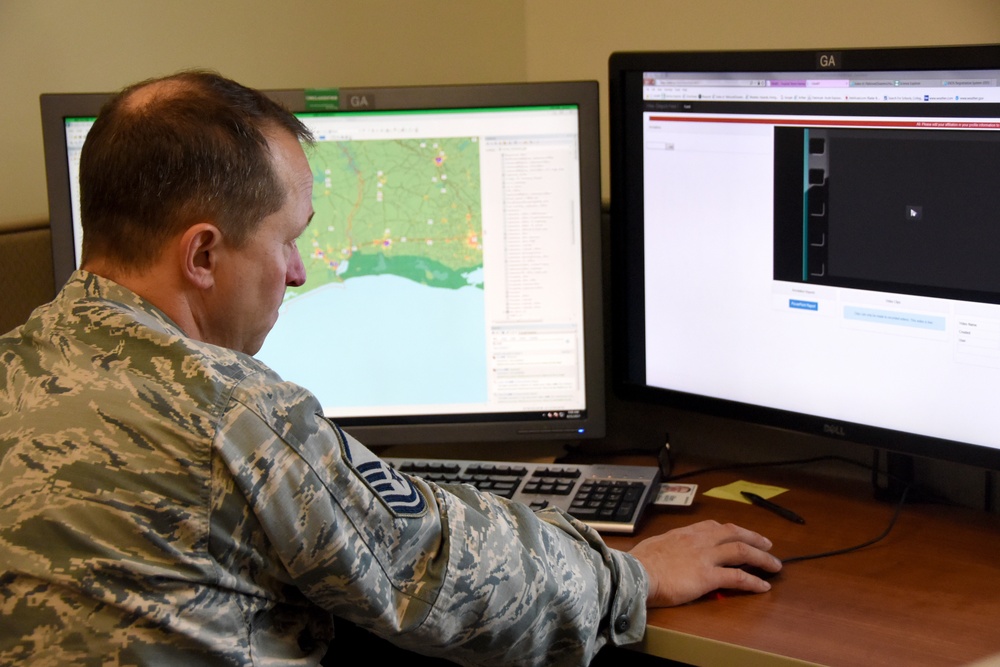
(169, 502)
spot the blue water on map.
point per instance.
(382, 341)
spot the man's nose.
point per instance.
(296, 274)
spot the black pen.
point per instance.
(768, 505)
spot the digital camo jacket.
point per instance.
(169, 502)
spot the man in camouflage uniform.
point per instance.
(166, 499)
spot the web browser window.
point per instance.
(826, 225)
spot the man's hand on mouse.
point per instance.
(686, 563)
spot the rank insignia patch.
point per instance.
(395, 490)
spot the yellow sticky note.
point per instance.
(733, 491)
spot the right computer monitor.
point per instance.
(811, 240)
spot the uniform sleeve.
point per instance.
(436, 569)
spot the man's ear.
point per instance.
(200, 247)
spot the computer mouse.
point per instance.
(760, 572)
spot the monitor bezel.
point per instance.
(626, 286)
(584, 95)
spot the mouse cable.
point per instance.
(816, 459)
(858, 547)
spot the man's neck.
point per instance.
(157, 285)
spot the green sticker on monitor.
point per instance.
(322, 99)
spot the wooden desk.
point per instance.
(929, 594)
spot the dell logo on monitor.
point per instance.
(828, 60)
(834, 429)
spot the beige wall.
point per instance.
(71, 46)
(66, 45)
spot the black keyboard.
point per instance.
(611, 498)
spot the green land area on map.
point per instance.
(409, 208)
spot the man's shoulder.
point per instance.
(99, 334)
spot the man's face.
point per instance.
(251, 280)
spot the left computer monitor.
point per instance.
(453, 288)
